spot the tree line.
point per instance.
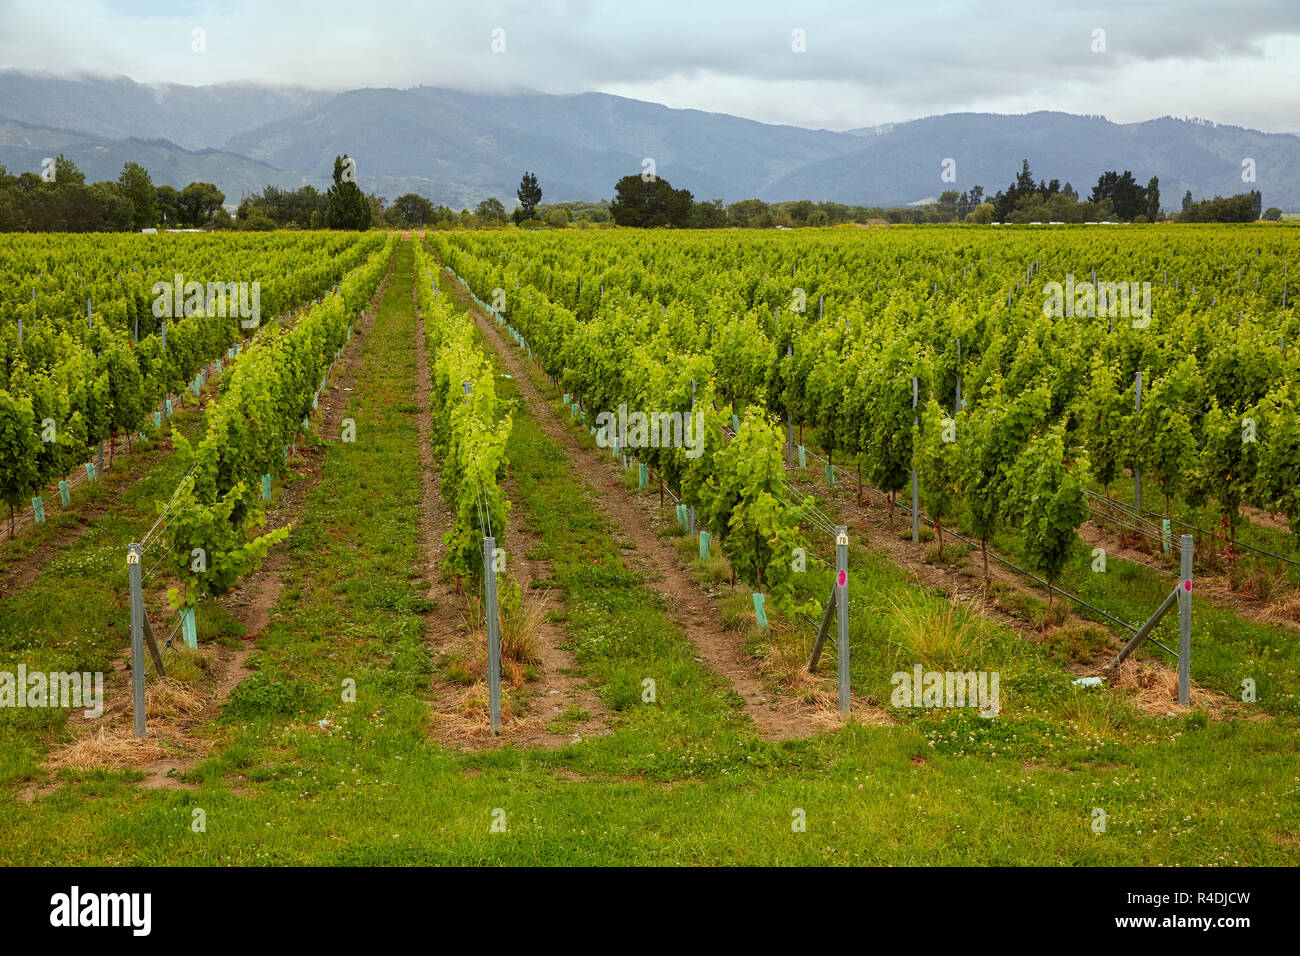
(342, 206)
(59, 200)
(648, 202)
(652, 201)
(1117, 197)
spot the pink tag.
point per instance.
(843, 578)
(1187, 585)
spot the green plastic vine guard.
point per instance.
(704, 546)
(830, 474)
(65, 493)
(759, 613)
(188, 628)
(266, 487)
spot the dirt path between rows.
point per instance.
(252, 602)
(719, 649)
(1265, 519)
(560, 686)
(22, 569)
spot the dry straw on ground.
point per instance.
(168, 704)
(819, 709)
(1155, 689)
(469, 720)
(169, 698)
(1286, 610)
(111, 747)
(813, 696)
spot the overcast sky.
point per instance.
(864, 62)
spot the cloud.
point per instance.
(865, 63)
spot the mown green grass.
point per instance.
(683, 781)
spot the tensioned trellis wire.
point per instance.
(992, 554)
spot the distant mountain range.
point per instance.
(22, 147)
(458, 148)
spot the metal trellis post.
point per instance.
(1137, 470)
(842, 614)
(1185, 624)
(916, 492)
(493, 634)
(133, 553)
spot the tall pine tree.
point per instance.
(346, 206)
(530, 194)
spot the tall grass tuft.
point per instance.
(941, 635)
